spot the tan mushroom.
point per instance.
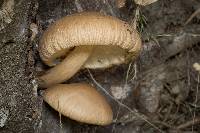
(79, 102)
(121, 3)
(196, 66)
(86, 40)
(144, 2)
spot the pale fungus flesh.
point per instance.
(112, 42)
(80, 102)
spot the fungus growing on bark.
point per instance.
(80, 102)
(85, 40)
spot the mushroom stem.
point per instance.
(67, 68)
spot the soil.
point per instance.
(157, 92)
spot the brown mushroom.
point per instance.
(79, 102)
(121, 3)
(144, 2)
(87, 40)
(196, 66)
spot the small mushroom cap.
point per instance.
(196, 66)
(121, 3)
(144, 2)
(113, 40)
(80, 102)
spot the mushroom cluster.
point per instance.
(84, 40)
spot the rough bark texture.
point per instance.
(20, 105)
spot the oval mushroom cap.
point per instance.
(80, 102)
(144, 2)
(113, 40)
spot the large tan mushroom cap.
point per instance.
(113, 40)
(80, 102)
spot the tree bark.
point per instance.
(20, 107)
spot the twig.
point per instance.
(134, 21)
(192, 16)
(173, 35)
(118, 111)
(193, 105)
(189, 123)
(196, 100)
(126, 80)
(60, 121)
(164, 35)
(164, 124)
(135, 72)
(134, 111)
(168, 112)
(60, 117)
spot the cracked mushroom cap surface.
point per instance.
(112, 39)
(80, 102)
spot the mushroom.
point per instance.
(79, 102)
(196, 66)
(144, 2)
(86, 40)
(121, 3)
